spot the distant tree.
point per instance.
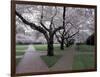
(70, 30)
(74, 21)
(90, 40)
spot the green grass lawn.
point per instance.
(83, 61)
(17, 60)
(85, 48)
(21, 47)
(20, 51)
(43, 48)
(50, 60)
(40, 47)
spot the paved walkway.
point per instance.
(65, 63)
(31, 62)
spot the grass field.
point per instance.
(40, 47)
(85, 48)
(20, 50)
(21, 47)
(84, 61)
(43, 48)
(19, 53)
(17, 60)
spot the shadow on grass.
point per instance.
(50, 60)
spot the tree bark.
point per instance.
(62, 44)
(62, 38)
(68, 43)
(50, 47)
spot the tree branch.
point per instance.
(71, 24)
(72, 35)
(32, 25)
(57, 38)
(42, 22)
(67, 31)
(44, 26)
(53, 18)
(57, 29)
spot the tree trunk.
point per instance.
(67, 45)
(62, 38)
(50, 48)
(62, 44)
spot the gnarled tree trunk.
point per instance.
(50, 49)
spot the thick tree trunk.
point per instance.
(50, 49)
(62, 44)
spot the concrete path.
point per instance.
(65, 63)
(31, 62)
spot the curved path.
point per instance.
(31, 62)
